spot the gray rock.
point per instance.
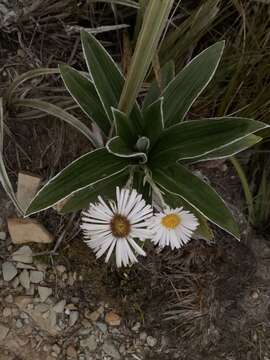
(36, 277)
(25, 279)
(110, 349)
(89, 343)
(9, 271)
(3, 235)
(151, 341)
(102, 327)
(44, 292)
(60, 306)
(19, 324)
(3, 332)
(73, 317)
(24, 255)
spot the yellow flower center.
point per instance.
(171, 221)
(120, 226)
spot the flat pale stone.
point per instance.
(60, 306)
(27, 188)
(3, 332)
(23, 231)
(36, 277)
(23, 255)
(9, 271)
(44, 292)
(112, 319)
(25, 279)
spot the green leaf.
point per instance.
(107, 78)
(84, 93)
(229, 150)
(153, 121)
(189, 83)
(167, 74)
(106, 188)
(192, 139)
(118, 147)
(87, 170)
(180, 182)
(124, 127)
(62, 114)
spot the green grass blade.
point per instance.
(155, 19)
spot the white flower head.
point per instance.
(172, 227)
(115, 225)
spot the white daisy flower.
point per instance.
(173, 227)
(115, 225)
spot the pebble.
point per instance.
(112, 319)
(15, 282)
(89, 343)
(151, 341)
(56, 348)
(9, 271)
(3, 235)
(19, 324)
(102, 327)
(3, 332)
(60, 306)
(110, 349)
(61, 269)
(36, 277)
(44, 292)
(94, 316)
(143, 336)
(73, 317)
(23, 255)
(136, 327)
(25, 279)
(9, 299)
(7, 312)
(71, 352)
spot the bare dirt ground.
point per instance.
(207, 301)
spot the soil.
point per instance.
(207, 301)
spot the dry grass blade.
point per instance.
(59, 113)
(3, 173)
(27, 76)
(129, 3)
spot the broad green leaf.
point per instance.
(84, 93)
(178, 181)
(153, 121)
(56, 111)
(167, 74)
(87, 170)
(118, 147)
(124, 127)
(105, 188)
(192, 139)
(230, 150)
(107, 78)
(189, 84)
